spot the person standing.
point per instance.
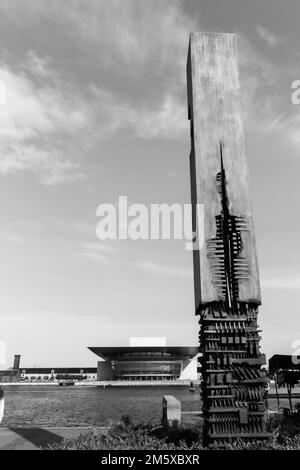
(266, 396)
(1, 403)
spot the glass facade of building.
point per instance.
(145, 368)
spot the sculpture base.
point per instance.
(233, 383)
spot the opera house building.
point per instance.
(146, 363)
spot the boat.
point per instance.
(65, 383)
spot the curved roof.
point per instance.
(106, 352)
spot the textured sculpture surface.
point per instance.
(226, 280)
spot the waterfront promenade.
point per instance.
(111, 383)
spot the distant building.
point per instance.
(147, 359)
(9, 375)
(44, 374)
(146, 363)
(13, 373)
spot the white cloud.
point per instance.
(259, 77)
(168, 121)
(273, 40)
(268, 37)
(281, 283)
(99, 252)
(34, 121)
(48, 116)
(289, 127)
(38, 66)
(143, 45)
(138, 50)
(32, 111)
(132, 35)
(157, 269)
(265, 89)
(50, 165)
(10, 237)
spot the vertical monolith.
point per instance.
(226, 278)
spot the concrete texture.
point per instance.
(215, 115)
(33, 438)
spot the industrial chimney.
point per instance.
(17, 359)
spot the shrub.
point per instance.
(277, 443)
(127, 435)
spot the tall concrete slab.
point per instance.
(216, 117)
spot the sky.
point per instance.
(93, 106)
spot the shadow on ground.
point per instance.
(38, 436)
